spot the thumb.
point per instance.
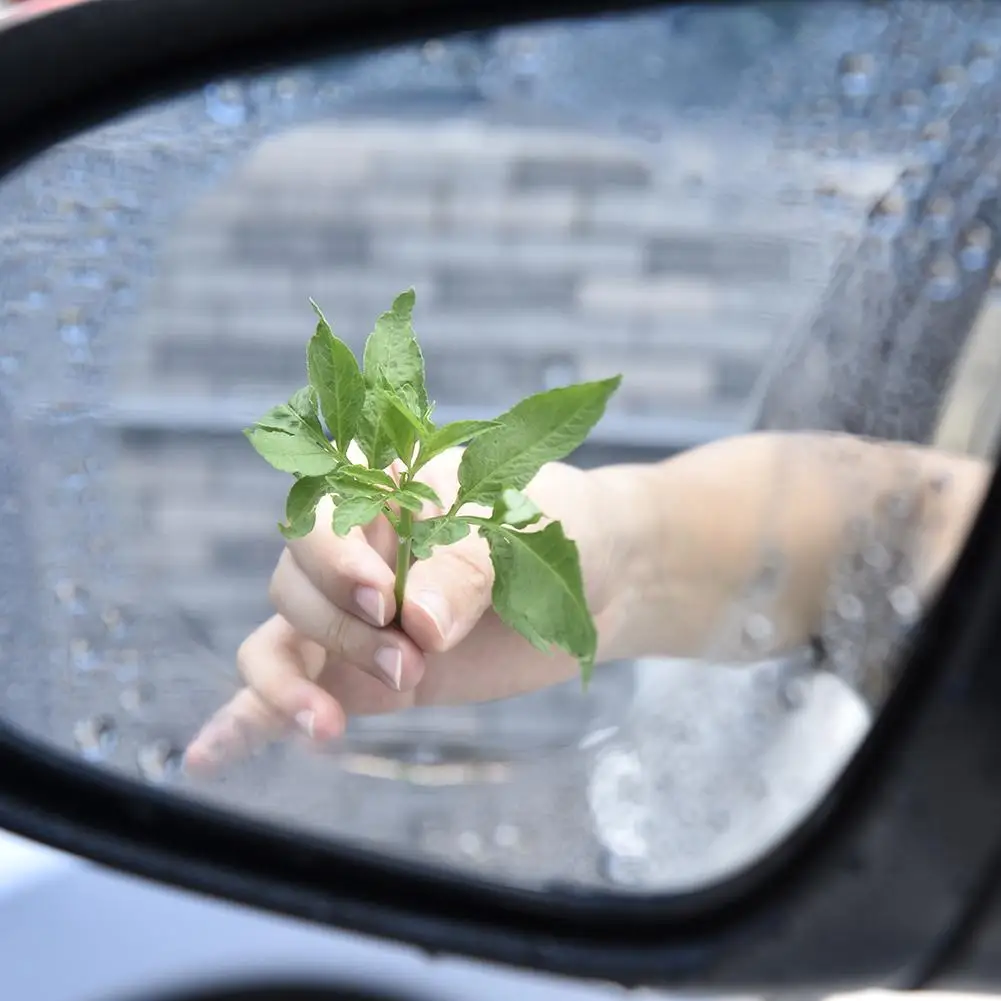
(448, 593)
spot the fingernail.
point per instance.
(390, 661)
(437, 609)
(372, 603)
(306, 721)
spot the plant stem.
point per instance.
(403, 550)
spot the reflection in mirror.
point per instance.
(777, 222)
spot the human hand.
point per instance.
(331, 650)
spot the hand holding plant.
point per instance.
(384, 409)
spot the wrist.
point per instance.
(626, 510)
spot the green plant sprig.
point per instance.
(383, 406)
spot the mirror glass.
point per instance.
(778, 223)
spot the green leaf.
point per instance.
(300, 451)
(300, 506)
(414, 500)
(346, 487)
(392, 353)
(298, 415)
(369, 477)
(374, 435)
(336, 379)
(409, 501)
(304, 403)
(425, 492)
(433, 532)
(450, 435)
(540, 429)
(403, 401)
(355, 511)
(402, 426)
(539, 590)
(515, 509)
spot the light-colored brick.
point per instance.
(188, 473)
(638, 212)
(529, 212)
(344, 290)
(478, 172)
(534, 332)
(619, 257)
(181, 554)
(661, 297)
(206, 284)
(658, 380)
(313, 156)
(178, 517)
(225, 594)
(625, 296)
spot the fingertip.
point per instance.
(322, 720)
(428, 619)
(196, 762)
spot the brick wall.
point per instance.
(539, 257)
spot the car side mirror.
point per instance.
(864, 287)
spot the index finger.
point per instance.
(349, 571)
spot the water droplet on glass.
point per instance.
(826, 111)
(904, 601)
(934, 141)
(758, 631)
(83, 656)
(876, 557)
(137, 698)
(849, 607)
(829, 196)
(794, 691)
(287, 88)
(844, 663)
(127, 665)
(37, 298)
(913, 181)
(159, 761)
(97, 246)
(911, 104)
(940, 216)
(470, 844)
(889, 214)
(506, 836)
(117, 622)
(433, 50)
(981, 61)
(95, 737)
(943, 281)
(975, 250)
(74, 596)
(949, 85)
(75, 482)
(856, 75)
(87, 278)
(621, 869)
(225, 103)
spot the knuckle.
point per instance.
(338, 634)
(275, 585)
(475, 572)
(275, 591)
(245, 657)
